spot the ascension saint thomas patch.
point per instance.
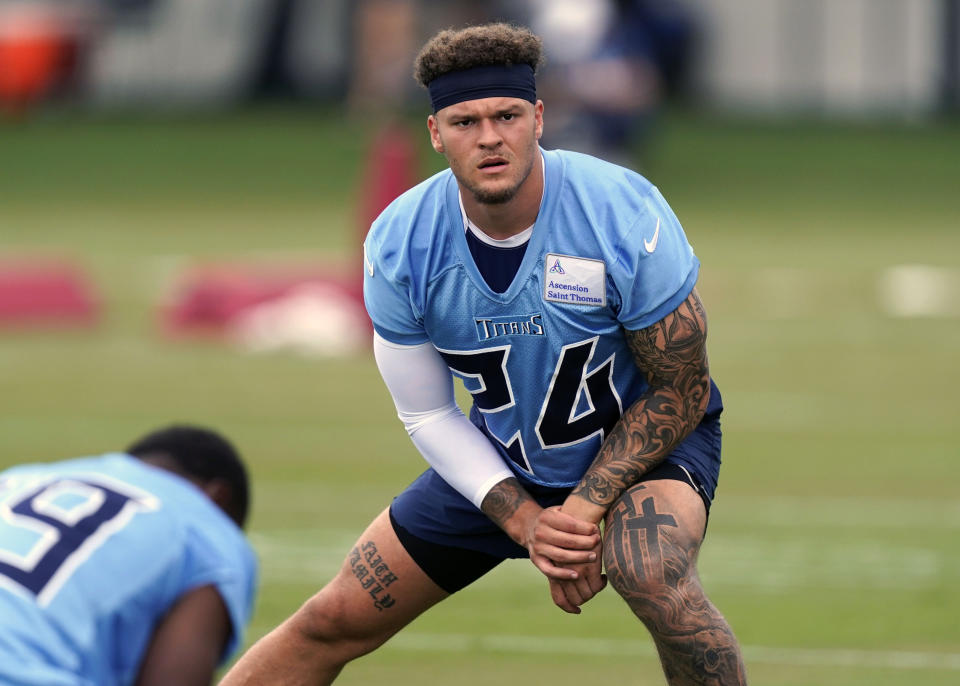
(574, 280)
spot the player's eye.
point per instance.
(507, 116)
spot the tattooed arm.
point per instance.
(673, 355)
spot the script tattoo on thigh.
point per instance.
(373, 574)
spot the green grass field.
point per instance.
(833, 546)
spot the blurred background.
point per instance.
(185, 184)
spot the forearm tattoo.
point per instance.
(503, 500)
(672, 354)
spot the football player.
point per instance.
(560, 288)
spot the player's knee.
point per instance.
(319, 619)
(651, 567)
(635, 574)
(327, 619)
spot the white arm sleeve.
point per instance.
(422, 389)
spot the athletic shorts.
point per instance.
(455, 543)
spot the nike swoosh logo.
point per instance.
(367, 262)
(650, 245)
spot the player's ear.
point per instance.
(221, 493)
(538, 119)
(434, 129)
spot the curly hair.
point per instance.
(477, 46)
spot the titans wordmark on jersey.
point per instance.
(546, 360)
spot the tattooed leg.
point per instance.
(378, 590)
(652, 538)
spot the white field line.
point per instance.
(863, 546)
(793, 657)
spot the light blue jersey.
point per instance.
(546, 360)
(93, 552)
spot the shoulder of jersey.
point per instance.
(608, 182)
(617, 194)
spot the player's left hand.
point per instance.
(570, 594)
(556, 541)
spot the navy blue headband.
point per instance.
(490, 81)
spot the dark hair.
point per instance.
(203, 454)
(477, 46)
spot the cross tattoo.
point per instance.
(649, 521)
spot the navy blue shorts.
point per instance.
(455, 543)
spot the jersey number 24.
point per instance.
(574, 386)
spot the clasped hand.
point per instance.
(569, 553)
